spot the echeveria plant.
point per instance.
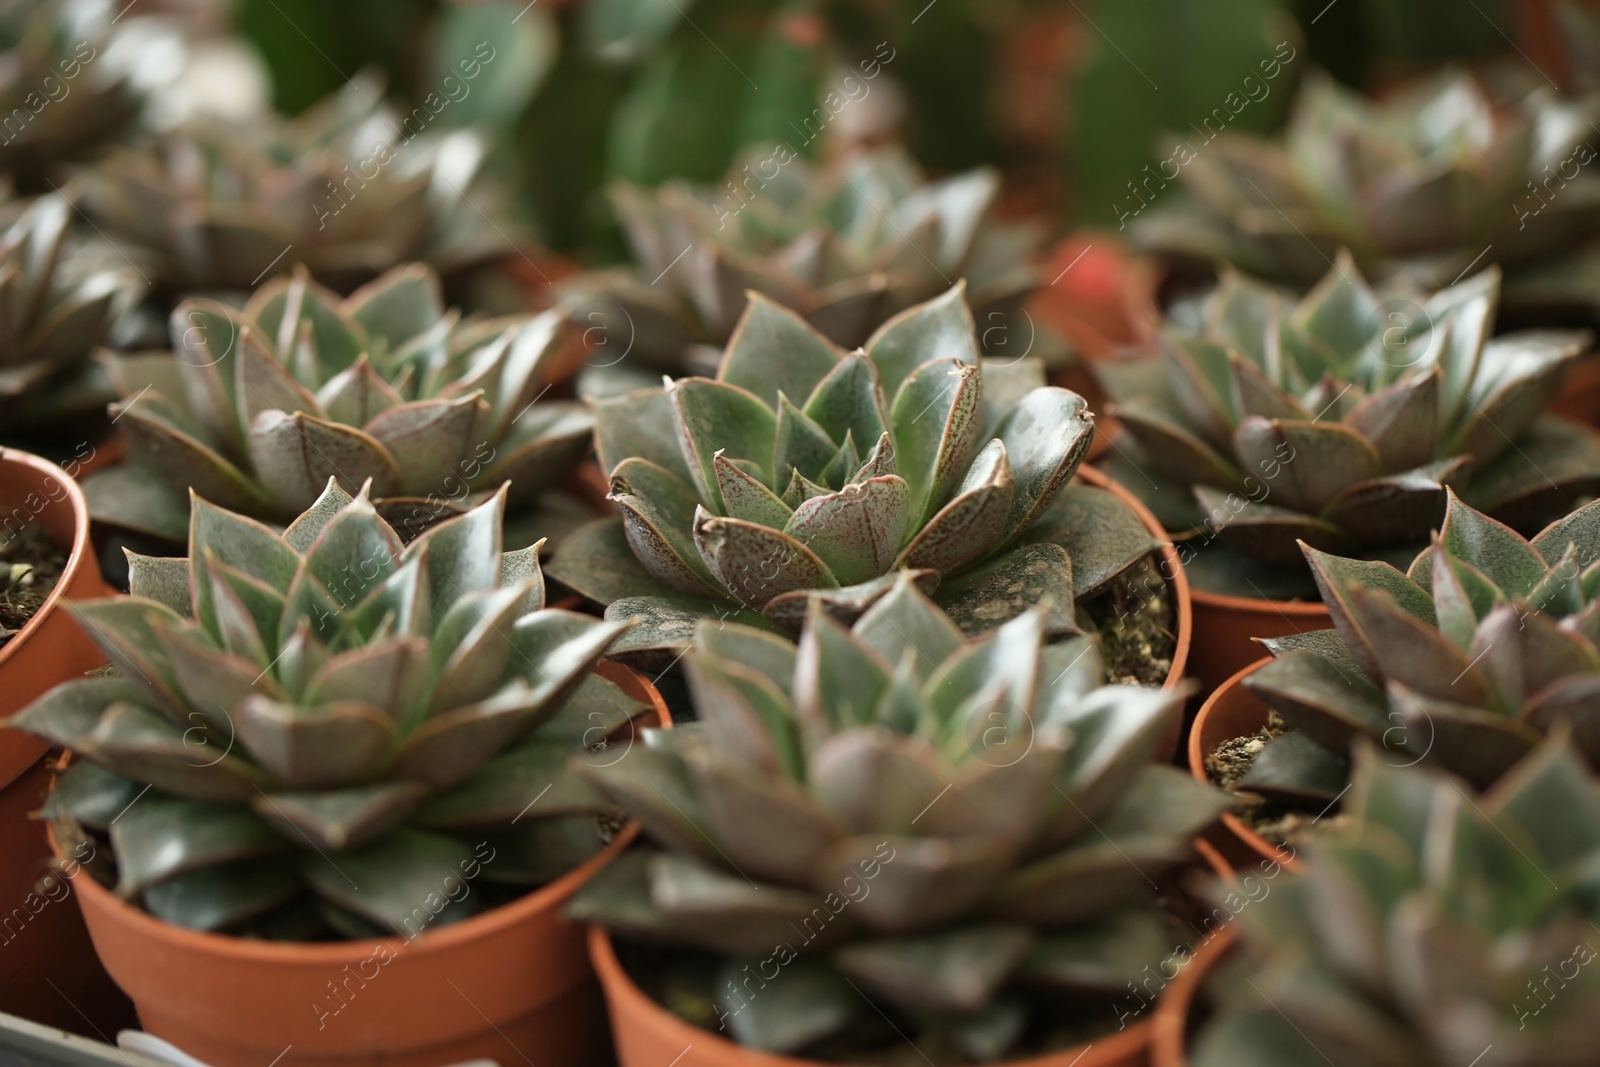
(1486, 644)
(966, 835)
(61, 299)
(347, 187)
(803, 471)
(1436, 930)
(257, 408)
(1339, 420)
(1423, 184)
(846, 246)
(326, 731)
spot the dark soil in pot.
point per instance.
(1136, 617)
(30, 565)
(1281, 824)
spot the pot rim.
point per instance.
(1304, 609)
(1177, 580)
(1169, 1033)
(76, 553)
(250, 950)
(623, 994)
(1197, 767)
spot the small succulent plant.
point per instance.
(801, 471)
(1485, 645)
(846, 245)
(965, 833)
(1419, 184)
(347, 187)
(1340, 419)
(292, 716)
(63, 301)
(261, 406)
(1437, 930)
(59, 104)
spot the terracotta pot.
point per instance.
(1233, 711)
(1179, 1005)
(1225, 625)
(42, 940)
(648, 1035)
(1580, 393)
(107, 452)
(512, 984)
(1177, 581)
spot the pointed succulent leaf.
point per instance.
(972, 524)
(316, 747)
(712, 416)
(936, 422)
(160, 837)
(811, 1003)
(295, 454)
(850, 401)
(1008, 585)
(905, 620)
(642, 424)
(162, 579)
(756, 563)
(767, 826)
(302, 532)
(940, 329)
(339, 819)
(857, 531)
(401, 882)
(774, 351)
(743, 496)
(800, 445)
(749, 712)
(955, 971)
(1046, 436)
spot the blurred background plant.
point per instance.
(580, 93)
(210, 144)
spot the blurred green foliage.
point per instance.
(1161, 68)
(649, 90)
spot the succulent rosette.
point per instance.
(803, 471)
(1339, 419)
(1486, 644)
(1432, 930)
(257, 408)
(348, 187)
(64, 299)
(293, 716)
(965, 835)
(58, 102)
(847, 246)
(1421, 184)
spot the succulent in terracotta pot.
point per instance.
(801, 471)
(257, 407)
(1433, 929)
(1486, 644)
(351, 187)
(1420, 184)
(846, 245)
(63, 297)
(296, 715)
(965, 835)
(1339, 419)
